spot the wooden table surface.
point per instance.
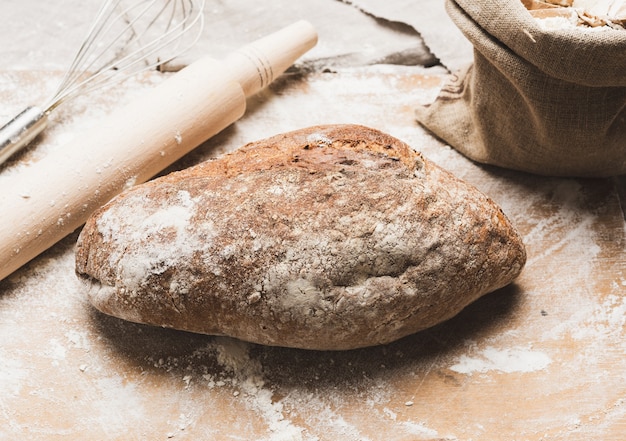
(542, 359)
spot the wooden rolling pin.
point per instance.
(56, 195)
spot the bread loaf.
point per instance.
(329, 237)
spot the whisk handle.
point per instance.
(21, 130)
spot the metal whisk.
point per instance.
(124, 39)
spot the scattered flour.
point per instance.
(419, 429)
(233, 356)
(506, 361)
(319, 139)
(12, 372)
(119, 405)
(55, 351)
(79, 339)
(608, 319)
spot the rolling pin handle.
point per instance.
(21, 130)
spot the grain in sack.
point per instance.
(541, 96)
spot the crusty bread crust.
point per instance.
(330, 237)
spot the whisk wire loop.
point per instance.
(73, 72)
(124, 40)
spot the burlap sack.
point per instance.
(546, 102)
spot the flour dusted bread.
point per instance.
(329, 237)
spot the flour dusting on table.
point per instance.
(62, 361)
(502, 360)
